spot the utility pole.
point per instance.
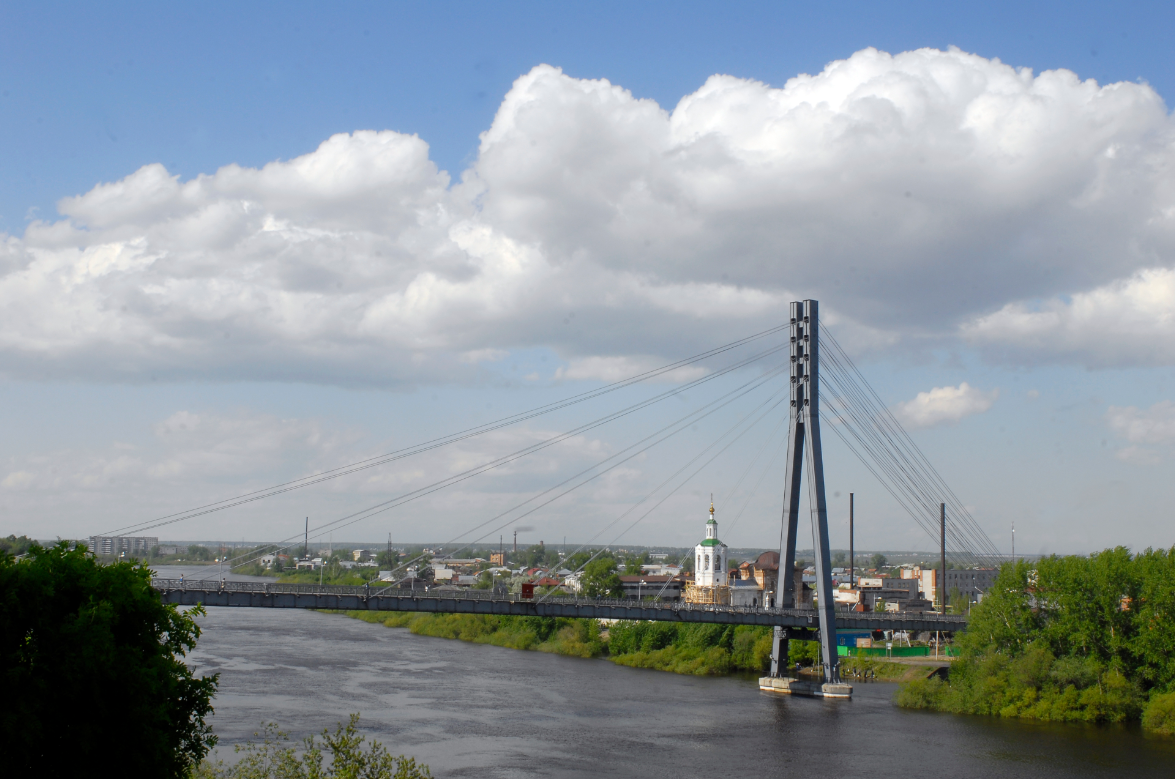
(852, 581)
(942, 523)
(1013, 543)
(306, 541)
(515, 542)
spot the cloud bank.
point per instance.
(1150, 432)
(925, 195)
(945, 405)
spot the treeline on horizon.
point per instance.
(1072, 639)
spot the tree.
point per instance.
(839, 559)
(632, 566)
(600, 579)
(878, 560)
(16, 546)
(199, 553)
(91, 659)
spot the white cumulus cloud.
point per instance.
(1155, 425)
(913, 194)
(1127, 322)
(945, 405)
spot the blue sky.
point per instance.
(90, 95)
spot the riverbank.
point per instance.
(692, 649)
(699, 650)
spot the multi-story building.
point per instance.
(135, 546)
(971, 583)
(652, 585)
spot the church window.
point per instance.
(707, 561)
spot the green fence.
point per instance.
(897, 651)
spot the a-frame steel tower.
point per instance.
(804, 435)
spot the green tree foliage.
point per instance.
(700, 649)
(579, 559)
(600, 579)
(537, 556)
(16, 545)
(878, 560)
(558, 635)
(276, 758)
(1068, 638)
(196, 552)
(90, 660)
(632, 566)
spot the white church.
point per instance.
(710, 575)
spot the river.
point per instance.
(469, 710)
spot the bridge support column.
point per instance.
(804, 435)
(779, 647)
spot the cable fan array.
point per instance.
(852, 409)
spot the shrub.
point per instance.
(275, 758)
(1159, 714)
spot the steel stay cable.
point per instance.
(684, 424)
(759, 482)
(919, 483)
(781, 395)
(690, 478)
(879, 423)
(682, 427)
(398, 454)
(491, 465)
(883, 481)
(901, 482)
(680, 424)
(964, 517)
(918, 480)
(411, 496)
(895, 480)
(850, 419)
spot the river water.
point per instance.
(469, 710)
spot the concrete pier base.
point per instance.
(786, 686)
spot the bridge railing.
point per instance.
(948, 622)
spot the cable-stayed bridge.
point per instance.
(822, 386)
(800, 623)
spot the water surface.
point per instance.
(470, 710)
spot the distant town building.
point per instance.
(971, 583)
(497, 558)
(116, 545)
(897, 594)
(172, 549)
(652, 586)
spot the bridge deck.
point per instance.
(306, 596)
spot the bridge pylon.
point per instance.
(804, 435)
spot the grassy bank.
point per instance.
(702, 650)
(696, 649)
(572, 637)
(880, 670)
(1070, 639)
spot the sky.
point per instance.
(239, 246)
